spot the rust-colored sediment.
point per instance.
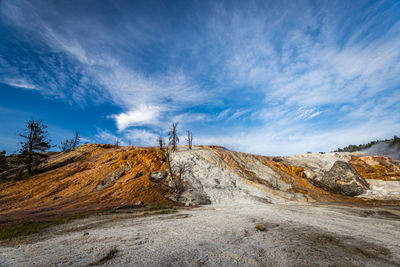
(90, 179)
(313, 193)
(73, 188)
(300, 183)
(377, 167)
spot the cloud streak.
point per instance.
(21, 83)
(308, 76)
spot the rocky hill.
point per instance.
(98, 177)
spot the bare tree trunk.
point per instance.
(30, 156)
(189, 139)
(173, 136)
(167, 153)
(161, 143)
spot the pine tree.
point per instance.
(35, 143)
(3, 162)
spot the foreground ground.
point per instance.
(220, 235)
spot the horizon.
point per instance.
(259, 77)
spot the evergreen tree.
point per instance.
(3, 162)
(394, 142)
(34, 144)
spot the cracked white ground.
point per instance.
(222, 235)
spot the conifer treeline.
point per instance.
(394, 142)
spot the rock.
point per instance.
(139, 174)
(194, 197)
(190, 197)
(260, 227)
(139, 203)
(158, 176)
(110, 179)
(172, 196)
(342, 178)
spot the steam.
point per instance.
(383, 148)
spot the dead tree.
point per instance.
(76, 140)
(70, 144)
(179, 169)
(35, 143)
(173, 136)
(161, 142)
(168, 156)
(117, 142)
(66, 145)
(189, 139)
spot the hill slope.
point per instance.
(93, 177)
(99, 177)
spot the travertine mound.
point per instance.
(226, 176)
(93, 177)
(381, 172)
(99, 177)
(377, 167)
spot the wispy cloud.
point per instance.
(101, 74)
(131, 137)
(104, 136)
(267, 77)
(140, 137)
(21, 83)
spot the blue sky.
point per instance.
(265, 77)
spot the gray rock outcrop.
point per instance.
(158, 176)
(342, 178)
(139, 174)
(195, 197)
(110, 179)
(190, 196)
(223, 176)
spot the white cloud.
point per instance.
(131, 137)
(21, 83)
(298, 68)
(140, 137)
(288, 81)
(143, 115)
(104, 136)
(295, 138)
(105, 74)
